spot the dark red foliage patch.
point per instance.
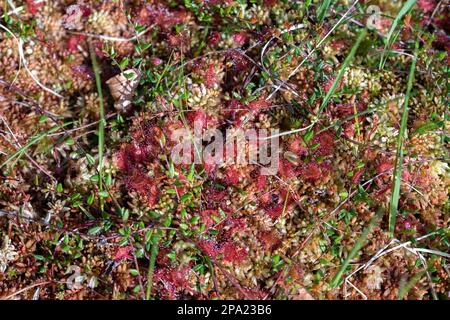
(228, 249)
(261, 182)
(74, 41)
(207, 217)
(231, 176)
(213, 193)
(162, 16)
(34, 5)
(311, 171)
(214, 38)
(297, 146)
(239, 61)
(209, 247)
(233, 253)
(286, 169)
(210, 77)
(240, 38)
(172, 280)
(143, 185)
(325, 141)
(426, 5)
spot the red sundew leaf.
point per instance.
(357, 175)
(231, 176)
(210, 165)
(74, 41)
(326, 143)
(202, 119)
(214, 38)
(349, 130)
(233, 253)
(406, 175)
(123, 159)
(424, 178)
(178, 41)
(240, 38)
(298, 147)
(162, 258)
(123, 253)
(274, 211)
(258, 105)
(210, 77)
(143, 185)
(209, 247)
(34, 5)
(235, 224)
(173, 281)
(338, 44)
(286, 169)
(384, 167)
(240, 63)
(261, 182)
(214, 194)
(426, 5)
(311, 172)
(162, 16)
(207, 217)
(170, 129)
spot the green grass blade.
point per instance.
(151, 267)
(322, 10)
(390, 39)
(405, 288)
(101, 124)
(358, 245)
(34, 140)
(395, 192)
(344, 66)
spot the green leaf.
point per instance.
(94, 230)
